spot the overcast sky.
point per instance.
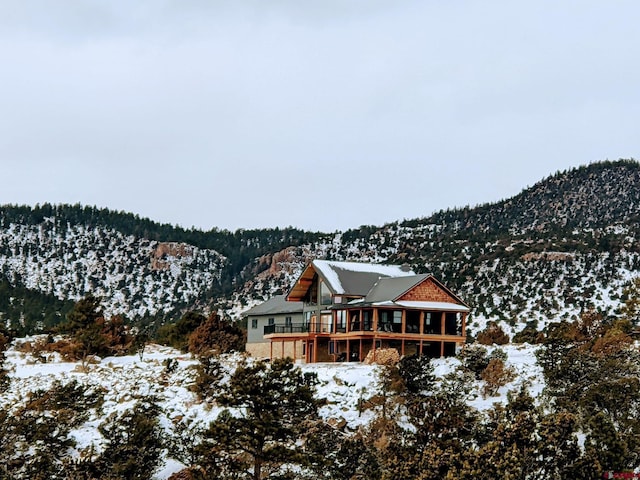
(324, 115)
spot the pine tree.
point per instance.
(215, 336)
(630, 310)
(177, 334)
(134, 443)
(84, 314)
(262, 428)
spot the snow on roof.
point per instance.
(453, 307)
(359, 275)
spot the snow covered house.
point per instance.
(352, 308)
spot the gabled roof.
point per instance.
(391, 292)
(345, 278)
(393, 288)
(274, 306)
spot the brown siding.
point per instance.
(428, 291)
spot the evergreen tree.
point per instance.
(177, 334)
(263, 426)
(335, 455)
(592, 369)
(134, 444)
(215, 336)
(84, 315)
(630, 310)
(35, 438)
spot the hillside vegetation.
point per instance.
(566, 244)
(566, 408)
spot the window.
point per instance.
(332, 347)
(325, 294)
(341, 320)
(271, 321)
(367, 317)
(287, 321)
(326, 324)
(254, 323)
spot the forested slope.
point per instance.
(568, 243)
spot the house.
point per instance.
(352, 308)
(275, 311)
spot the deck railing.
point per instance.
(291, 328)
(309, 328)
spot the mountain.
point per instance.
(567, 243)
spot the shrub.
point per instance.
(475, 359)
(176, 335)
(529, 334)
(496, 375)
(493, 334)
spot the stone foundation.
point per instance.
(280, 350)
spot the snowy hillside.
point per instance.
(135, 276)
(166, 376)
(569, 243)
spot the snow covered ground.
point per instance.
(125, 380)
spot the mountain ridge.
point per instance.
(573, 235)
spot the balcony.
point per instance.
(293, 328)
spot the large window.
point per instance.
(325, 294)
(413, 321)
(271, 321)
(390, 321)
(326, 323)
(432, 322)
(254, 323)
